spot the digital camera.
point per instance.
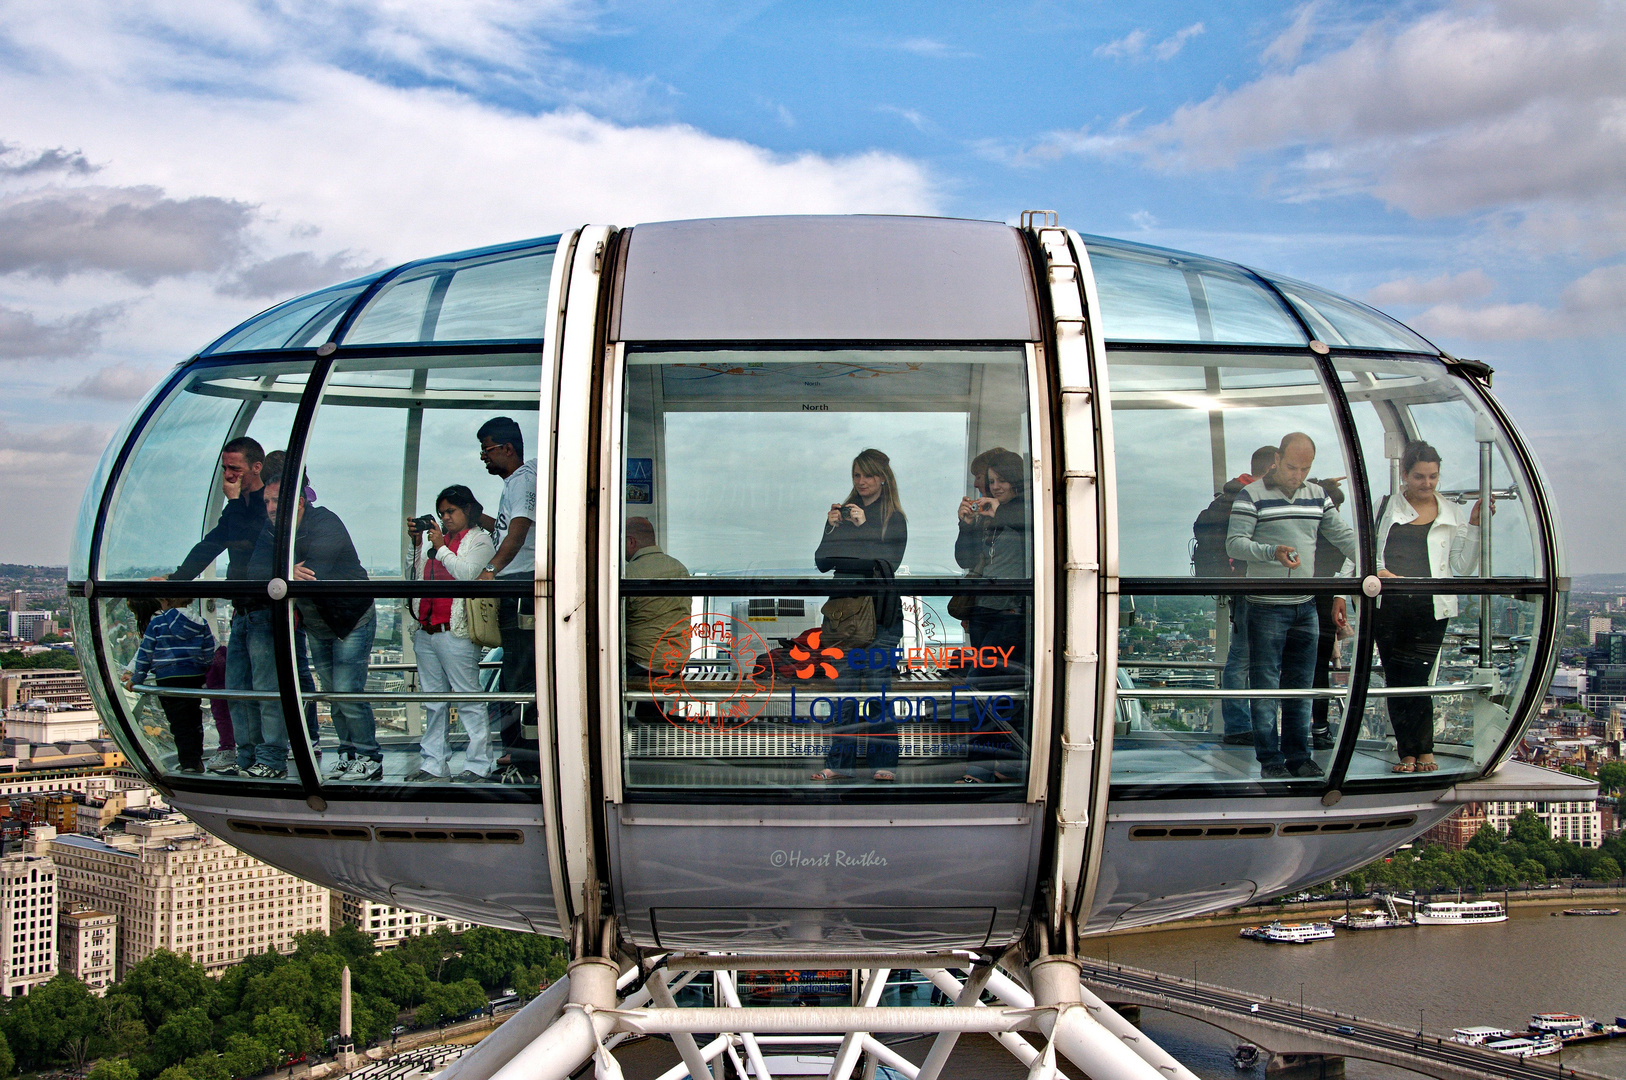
(424, 522)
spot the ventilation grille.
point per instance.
(311, 832)
(450, 836)
(361, 832)
(1260, 830)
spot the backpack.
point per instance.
(1208, 557)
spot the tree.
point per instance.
(165, 983)
(1605, 869)
(284, 1031)
(8, 1064)
(244, 1056)
(175, 1072)
(113, 1069)
(181, 1036)
(1612, 776)
(55, 1022)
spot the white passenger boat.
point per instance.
(1562, 1024)
(1478, 1036)
(1289, 933)
(1525, 1047)
(1457, 913)
(1369, 919)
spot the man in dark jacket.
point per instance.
(242, 520)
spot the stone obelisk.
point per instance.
(345, 1051)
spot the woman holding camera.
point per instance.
(993, 542)
(864, 538)
(448, 661)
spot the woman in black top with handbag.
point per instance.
(864, 538)
(993, 542)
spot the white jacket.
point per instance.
(472, 556)
(1453, 544)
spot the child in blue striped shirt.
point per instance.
(176, 650)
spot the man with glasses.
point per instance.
(502, 449)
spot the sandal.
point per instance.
(886, 776)
(1405, 767)
(1428, 766)
(826, 776)
(968, 778)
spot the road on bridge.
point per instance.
(1324, 1026)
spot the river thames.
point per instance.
(1443, 977)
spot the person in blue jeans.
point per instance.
(262, 748)
(1273, 520)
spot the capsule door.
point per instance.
(823, 642)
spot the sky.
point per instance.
(168, 169)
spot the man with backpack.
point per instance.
(1210, 559)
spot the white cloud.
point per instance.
(1594, 303)
(294, 273)
(24, 337)
(937, 50)
(1467, 285)
(116, 382)
(1133, 45)
(1500, 107)
(912, 117)
(1285, 49)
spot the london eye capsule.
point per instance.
(819, 583)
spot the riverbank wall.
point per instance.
(1253, 914)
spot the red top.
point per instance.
(438, 611)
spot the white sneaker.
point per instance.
(361, 769)
(224, 761)
(340, 767)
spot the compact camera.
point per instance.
(424, 522)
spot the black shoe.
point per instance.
(1274, 771)
(1322, 739)
(1238, 738)
(1306, 769)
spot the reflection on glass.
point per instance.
(190, 491)
(1171, 649)
(1338, 320)
(764, 692)
(1401, 404)
(165, 655)
(392, 434)
(1426, 644)
(1192, 431)
(498, 296)
(1151, 295)
(298, 323)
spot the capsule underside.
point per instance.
(1046, 704)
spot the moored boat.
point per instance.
(1561, 1024)
(1592, 911)
(1246, 1056)
(1478, 1036)
(1289, 933)
(1369, 920)
(1526, 1047)
(1460, 913)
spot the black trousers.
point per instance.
(1409, 639)
(185, 716)
(517, 726)
(1323, 661)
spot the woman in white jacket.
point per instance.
(1419, 535)
(447, 660)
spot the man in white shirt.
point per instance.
(502, 448)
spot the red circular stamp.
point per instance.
(703, 672)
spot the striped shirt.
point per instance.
(176, 643)
(1263, 517)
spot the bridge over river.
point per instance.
(1285, 1027)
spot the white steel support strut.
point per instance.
(582, 1018)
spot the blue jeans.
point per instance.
(1282, 647)
(1237, 712)
(245, 715)
(882, 752)
(266, 741)
(341, 665)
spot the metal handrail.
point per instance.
(382, 695)
(1446, 690)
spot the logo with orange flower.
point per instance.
(811, 659)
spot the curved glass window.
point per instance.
(183, 508)
(306, 321)
(1338, 320)
(1152, 295)
(499, 296)
(1433, 693)
(1401, 403)
(817, 592)
(454, 440)
(1192, 430)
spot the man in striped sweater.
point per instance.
(1273, 520)
(176, 651)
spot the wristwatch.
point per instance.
(490, 569)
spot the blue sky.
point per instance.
(170, 168)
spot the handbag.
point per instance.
(480, 612)
(849, 622)
(960, 604)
